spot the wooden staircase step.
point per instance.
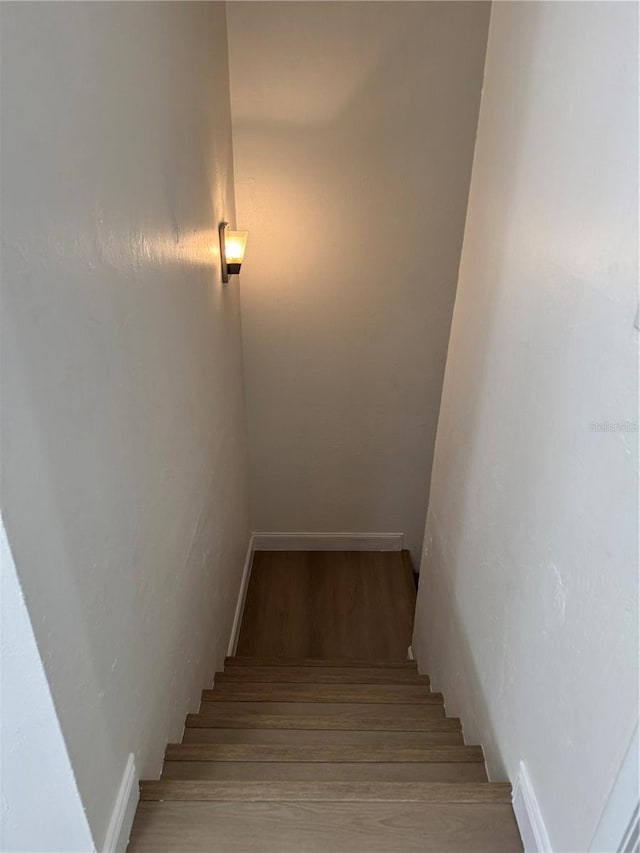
(398, 716)
(322, 675)
(324, 662)
(285, 827)
(326, 771)
(217, 716)
(309, 737)
(283, 752)
(323, 755)
(362, 792)
(276, 692)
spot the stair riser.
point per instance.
(328, 771)
(402, 694)
(217, 717)
(267, 752)
(320, 662)
(356, 792)
(320, 675)
(403, 711)
(295, 737)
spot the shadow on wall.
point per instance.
(478, 344)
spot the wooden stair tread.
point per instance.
(217, 716)
(326, 771)
(287, 692)
(424, 792)
(321, 675)
(403, 714)
(284, 827)
(297, 737)
(241, 660)
(282, 752)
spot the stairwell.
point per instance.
(300, 754)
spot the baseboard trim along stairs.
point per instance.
(323, 755)
(242, 596)
(528, 815)
(124, 810)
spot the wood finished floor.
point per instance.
(314, 604)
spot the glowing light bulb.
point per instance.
(232, 248)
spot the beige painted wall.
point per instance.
(527, 609)
(354, 126)
(123, 436)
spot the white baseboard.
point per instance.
(327, 541)
(528, 815)
(242, 594)
(124, 810)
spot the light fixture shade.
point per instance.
(232, 248)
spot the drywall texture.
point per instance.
(527, 607)
(124, 482)
(35, 771)
(353, 128)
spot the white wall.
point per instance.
(527, 608)
(353, 127)
(123, 418)
(40, 806)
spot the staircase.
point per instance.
(324, 756)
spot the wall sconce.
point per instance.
(232, 246)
